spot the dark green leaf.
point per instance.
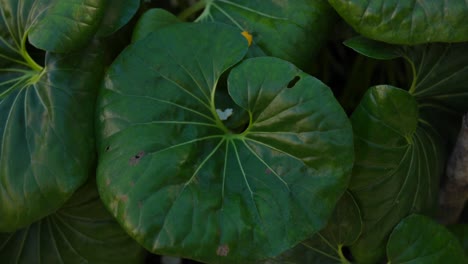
(46, 130)
(182, 183)
(399, 160)
(460, 231)
(440, 71)
(290, 30)
(374, 49)
(343, 229)
(82, 231)
(406, 21)
(418, 239)
(116, 15)
(56, 25)
(61, 26)
(151, 21)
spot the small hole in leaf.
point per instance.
(293, 82)
(136, 159)
(107, 148)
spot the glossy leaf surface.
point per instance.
(82, 231)
(61, 26)
(291, 30)
(399, 160)
(46, 127)
(343, 229)
(419, 239)
(406, 21)
(183, 183)
(151, 21)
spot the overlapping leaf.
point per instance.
(82, 231)
(181, 182)
(46, 112)
(290, 30)
(406, 21)
(418, 239)
(440, 71)
(343, 229)
(61, 26)
(399, 160)
(46, 132)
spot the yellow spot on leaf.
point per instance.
(247, 36)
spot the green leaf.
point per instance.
(406, 21)
(82, 231)
(440, 71)
(291, 30)
(117, 14)
(374, 49)
(151, 21)
(61, 26)
(460, 231)
(343, 229)
(399, 160)
(47, 146)
(183, 183)
(419, 239)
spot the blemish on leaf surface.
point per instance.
(136, 159)
(222, 250)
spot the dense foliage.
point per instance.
(229, 131)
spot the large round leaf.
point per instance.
(82, 231)
(406, 21)
(399, 160)
(420, 240)
(46, 133)
(183, 183)
(291, 30)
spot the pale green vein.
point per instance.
(328, 243)
(228, 16)
(2, 13)
(204, 162)
(266, 164)
(273, 148)
(175, 83)
(224, 170)
(321, 252)
(22, 243)
(185, 143)
(169, 103)
(251, 10)
(176, 123)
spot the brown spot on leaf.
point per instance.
(108, 181)
(136, 159)
(267, 171)
(140, 204)
(222, 250)
(132, 183)
(124, 198)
